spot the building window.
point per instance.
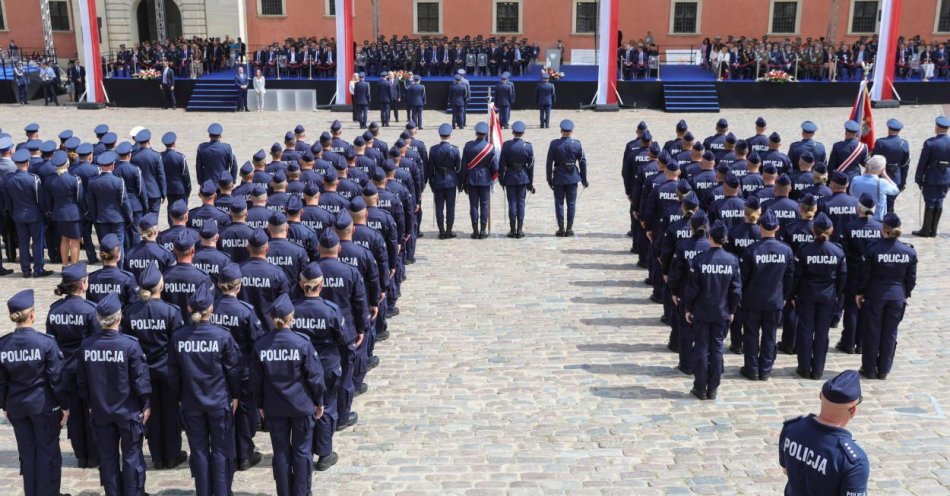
(943, 17)
(784, 17)
(585, 17)
(864, 17)
(3, 21)
(428, 17)
(330, 8)
(685, 18)
(272, 7)
(59, 15)
(507, 16)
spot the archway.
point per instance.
(145, 17)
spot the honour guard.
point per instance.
(516, 169)
(565, 166)
(933, 177)
(545, 97)
(896, 152)
(445, 163)
(480, 170)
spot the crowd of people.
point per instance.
(260, 308)
(740, 238)
(188, 57)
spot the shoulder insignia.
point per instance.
(850, 449)
(793, 420)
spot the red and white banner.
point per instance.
(886, 51)
(861, 113)
(344, 51)
(609, 21)
(494, 129)
(92, 58)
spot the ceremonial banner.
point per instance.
(885, 60)
(90, 51)
(344, 51)
(861, 113)
(607, 53)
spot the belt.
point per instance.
(566, 167)
(516, 168)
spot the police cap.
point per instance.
(842, 388)
(329, 239)
(143, 136)
(839, 178)
(148, 221)
(294, 204)
(481, 128)
(895, 124)
(282, 307)
(215, 129)
(21, 301)
(124, 148)
(109, 242)
(74, 273)
(186, 240)
(201, 299)
(258, 238)
(150, 277)
(445, 129)
(809, 127)
(336, 126)
(769, 221)
(370, 190)
(209, 229)
(48, 146)
(110, 305)
(109, 138)
(892, 220)
(822, 222)
(105, 158)
(208, 188)
(343, 220)
(567, 125)
(229, 272)
(312, 271)
(65, 135)
(84, 149)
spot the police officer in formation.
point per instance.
(445, 164)
(34, 396)
(818, 454)
(933, 176)
(516, 170)
(479, 170)
(545, 97)
(566, 165)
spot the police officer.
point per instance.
(71, 319)
(239, 318)
(323, 323)
(565, 166)
(111, 279)
(148, 251)
(760, 142)
(458, 99)
(887, 278)
(933, 176)
(152, 166)
(416, 100)
(214, 157)
(134, 192)
(711, 298)
(207, 211)
(233, 239)
(183, 278)
(281, 252)
(287, 380)
(896, 152)
(33, 392)
(207, 257)
(343, 286)
(717, 142)
(806, 144)
(152, 321)
(67, 197)
(818, 454)
(106, 200)
(503, 95)
(857, 236)
(516, 169)
(261, 282)
(820, 275)
(204, 371)
(848, 155)
(545, 97)
(479, 169)
(113, 380)
(445, 163)
(768, 272)
(676, 274)
(362, 94)
(175, 169)
(386, 94)
(27, 203)
(796, 234)
(178, 211)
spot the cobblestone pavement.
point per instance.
(538, 366)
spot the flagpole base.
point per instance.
(90, 106)
(886, 104)
(610, 107)
(341, 108)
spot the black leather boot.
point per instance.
(513, 233)
(560, 229)
(570, 229)
(926, 226)
(483, 233)
(448, 231)
(520, 231)
(936, 220)
(474, 230)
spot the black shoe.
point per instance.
(82, 463)
(816, 375)
(684, 370)
(373, 362)
(655, 299)
(804, 374)
(474, 235)
(441, 234)
(765, 376)
(325, 462)
(785, 348)
(449, 234)
(361, 390)
(642, 264)
(867, 375)
(844, 349)
(349, 423)
(559, 233)
(382, 336)
(633, 249)
(697, 393)
(5, 272)
(569, 233)
(244, 464)
(26, 275)
(421, 235)
(858, 350)
(182, 458)
(512, 234)
(520, 234)
(666, 321)
(882, 377)
(410, 261)
(672, 347)
(711, 395)
(748, 375)
(736, 349)
(394, 312)
(44, 273)
(630, 233)
(159, 464)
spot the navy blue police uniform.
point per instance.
(933, 177)
(445, 164)
(106, 201)
(896, 152)
(26, 202)
(110, 279)
(214, 157)
(479, 169)
(177, 176)
(148, 251)
(262, 282)
(566, 165)
(152, 166)
(516, 170)
(545, 97)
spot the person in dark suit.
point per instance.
(77, 76)
(241, 82)
(168, 87)
(416, 100)
(545, 98)
(361, 99)
(386, 94)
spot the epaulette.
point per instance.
(133, 338)
(848, 446)
(302, 335)
(331, 304)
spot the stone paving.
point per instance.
(538, 366)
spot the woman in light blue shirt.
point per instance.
(876, 183)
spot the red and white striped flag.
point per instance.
(861, 113)
(494, 129)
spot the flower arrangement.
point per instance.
(402, 75)
(552, 74)
(777, 76)
(147, 74)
